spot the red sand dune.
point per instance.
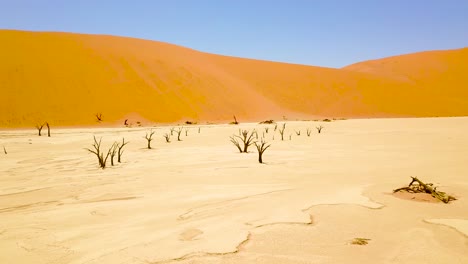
(66, 79)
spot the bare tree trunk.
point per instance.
(48, 129)
(39, 128)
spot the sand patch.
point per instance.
(461, 225)
(417, 197)
(190, 234)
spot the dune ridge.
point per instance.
(66, 78)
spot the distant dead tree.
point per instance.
(100, 155)
(276, 127)
(98, 117)
(281, 131)
(266, 129)
(126, 122)
(48, 129)
(235, 121)
(308, 132)
(298, 132)
(172, 130)
(39, 128)
(261, 148)
(319, 129)
(186, 132)
(199, 130)
(167, 137)
(256, 134)
(113, 152)
(120, 147)
(4, 150)
(179, 131)
(149, 137)
(247, 139)
(236, 143)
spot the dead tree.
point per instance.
(308, 132)
(256, 134)
(120, 149)
(179, 131)
(281, 131)
(167, 137)
(149, 137)
(172, 130)
(319, 129)
(4, 150)
(298, 132)
(98, 117)
(198, 130)
(417, 186)
(276, 127)
(113, 151)
(235, 121)
(247, 139)
(39, 128)
(48, 129)
(236, 143)
(100, 155)
(126, 122)
(266, 129)
(261, 147)
(186, 132)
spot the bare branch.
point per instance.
(236, 143)
(247, 139)
(97, 151)
(120, 149)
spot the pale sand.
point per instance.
(200, 201)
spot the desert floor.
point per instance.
(201, 201)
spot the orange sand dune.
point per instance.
(66, 78)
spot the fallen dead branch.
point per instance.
(417, 186)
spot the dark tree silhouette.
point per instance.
(149, 137)
(281, 131)
(48, 129)
(167, 137)
(319, 129)
(261, 148)
(98, 117)
(39, 128)
(236, 143)
(100, 155)
(120, 149)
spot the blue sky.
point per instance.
(329, 33)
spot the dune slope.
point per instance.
(66, 78)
